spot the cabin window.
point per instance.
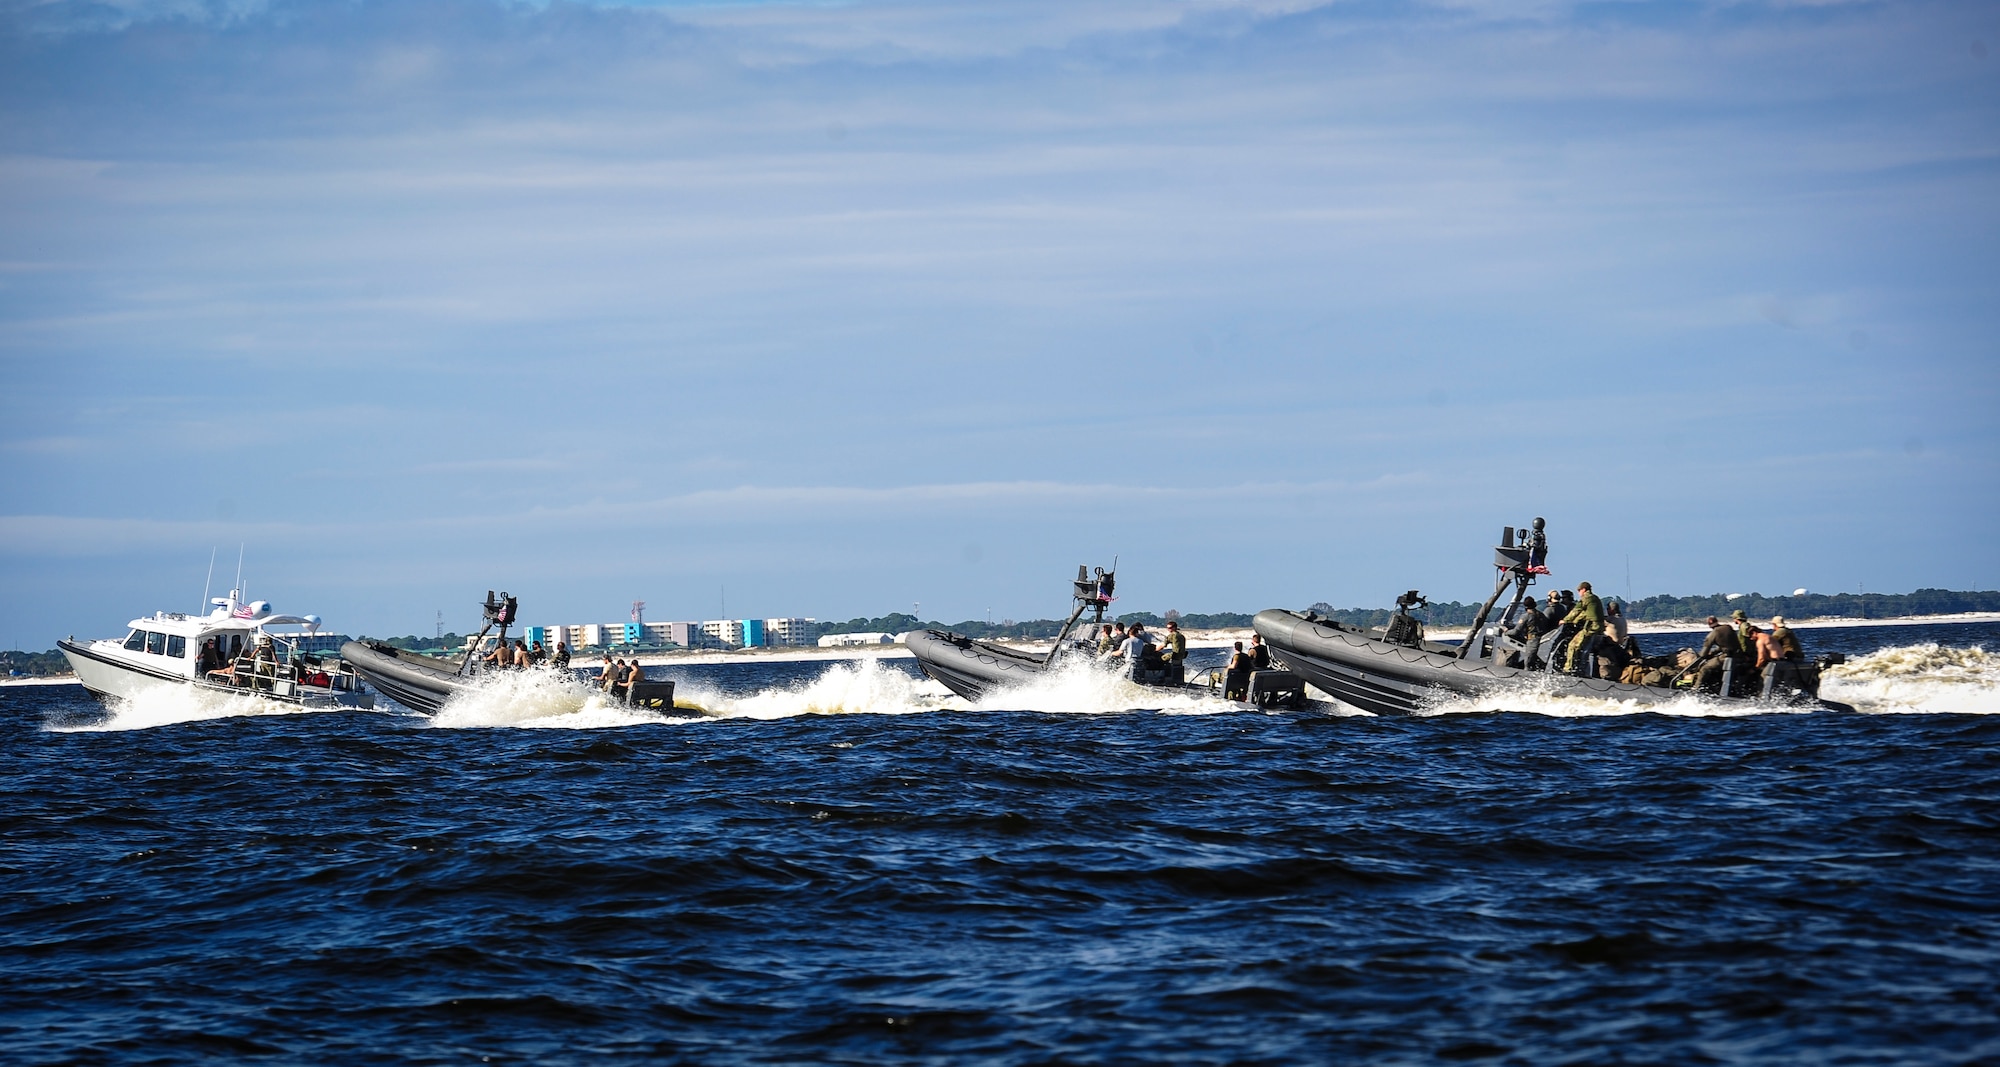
(156, 643)
(177, 646)
(136, 641)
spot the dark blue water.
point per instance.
(1003, 887)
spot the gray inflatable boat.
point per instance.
(424, 683)
(1394, 670)
(973, 668)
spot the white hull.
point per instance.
(103, 668)
(105, 679)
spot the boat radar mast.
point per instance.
(1516, 565)
(1092, 594)
(501, 613)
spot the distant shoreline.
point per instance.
(1196, 639)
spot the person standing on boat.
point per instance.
(1133, 651)
(1528, 630)
(561, 658)
(608, 676)
(1587, 618)
(211, 658)
(1260, 653)
(264, 663)
(1175, 653)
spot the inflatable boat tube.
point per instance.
(1358, 668)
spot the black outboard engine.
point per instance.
(1402, 629)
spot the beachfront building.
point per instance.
(716, 633)
(788, 632)
(851, 640)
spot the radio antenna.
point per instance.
(208, 581)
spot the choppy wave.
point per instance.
(1081, 688)
(865, 687)
(1918, 678)
(1540, 699)
(174, 705)
(1925, 678)
(538, 699)
(861, 687)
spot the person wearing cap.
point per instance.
(1750, 638)
(1587, 621)
(264, 662)
(1782, 646)
(1717, 650)
(1133, 651)
(1174, 653)
(1528, 630)
(1236, 677)
(1785, 643)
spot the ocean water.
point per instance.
(841, 863)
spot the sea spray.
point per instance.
(1918, 678)
(1926, 678)
(539, 700)
(864, 687)
(1079, 687)
(1538, 698)
(172, 704)
(545, 700)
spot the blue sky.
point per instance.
(831, 309)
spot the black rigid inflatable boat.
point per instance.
(972, 668)
(424, 683)
(1394, 670)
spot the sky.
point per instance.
(838, 309)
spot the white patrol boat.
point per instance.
(235, 648)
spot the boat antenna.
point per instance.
(237, 593)
(208, 581)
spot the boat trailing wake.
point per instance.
(543, 700)
(1927, 678)
(1080, 688)
(539, 699)
(1918, 678)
